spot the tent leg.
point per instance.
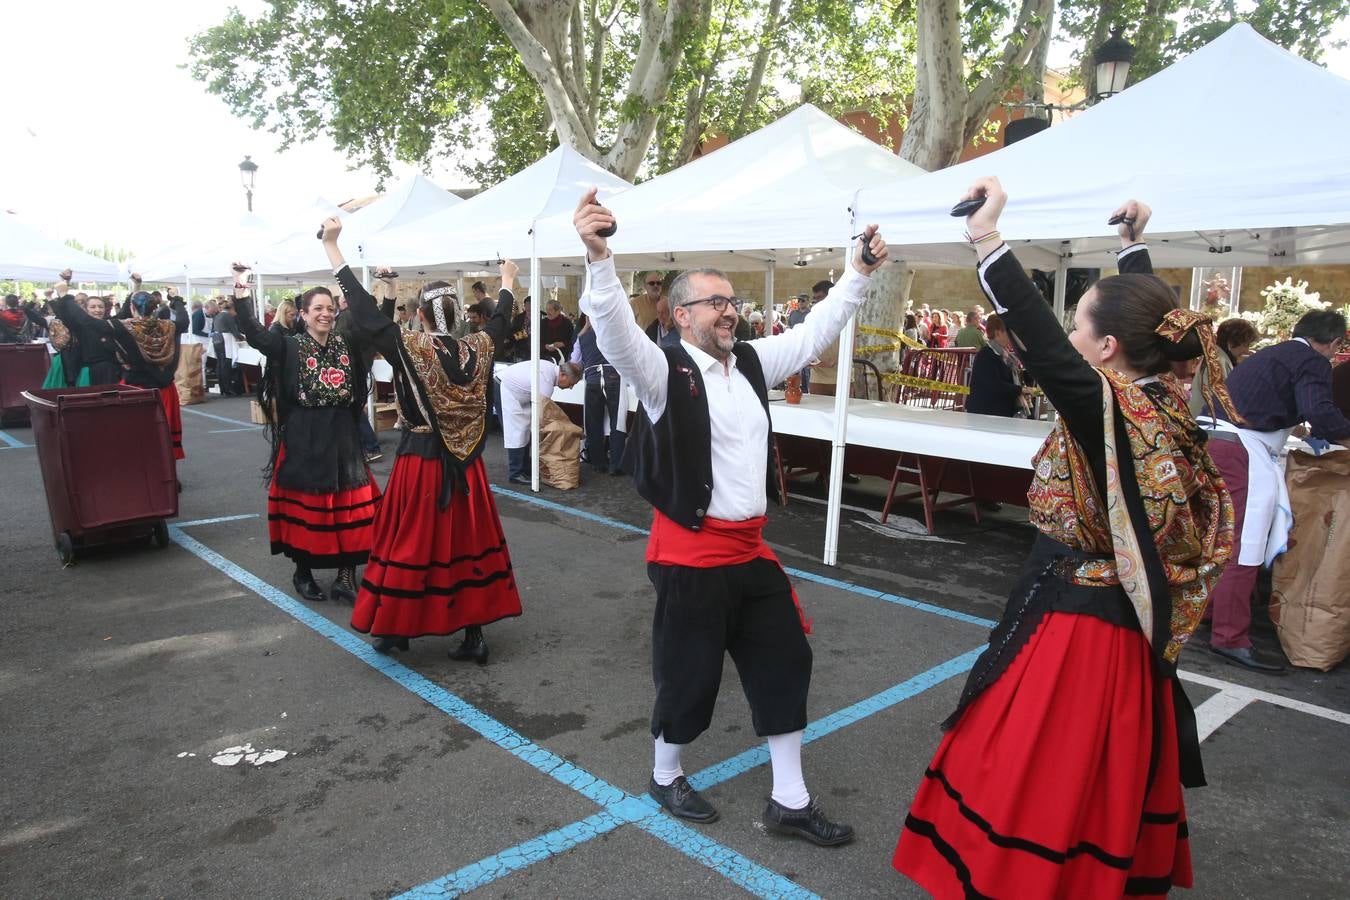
(842, 381)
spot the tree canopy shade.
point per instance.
(635, 85)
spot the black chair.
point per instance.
(866, 375)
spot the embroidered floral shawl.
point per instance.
(1188, 510)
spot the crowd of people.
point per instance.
(1061, 770)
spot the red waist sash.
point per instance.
(718, 543)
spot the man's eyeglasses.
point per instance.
(653, 284)
(401, 308)
(718, 302)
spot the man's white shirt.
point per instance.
(740, 429)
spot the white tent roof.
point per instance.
(411, 201)
(206, 259)
(1185, 142)
(28, 255)
(297, 252)
(471, 235)
(782, 189)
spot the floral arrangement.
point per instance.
(1286, 303)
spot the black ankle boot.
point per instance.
(344, 586)
(390, 644)
(473, 647)
(306, 586)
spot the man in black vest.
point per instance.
(699, 453)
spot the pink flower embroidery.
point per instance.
(311, 363)
(335, 377)
(323, 377)
(344, 360)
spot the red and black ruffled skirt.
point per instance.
(435, 571)
(322, 531)
(1061, 779)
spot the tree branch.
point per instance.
(1031, 28)
(767, 40)
(568, 120)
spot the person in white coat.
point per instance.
(514, 384)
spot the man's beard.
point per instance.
(709, 341)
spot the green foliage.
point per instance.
(106, 251)
(1165, 30)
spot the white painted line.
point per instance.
(1217, 710)
(1229, 687)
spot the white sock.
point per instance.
(667, 767)
(789, 788)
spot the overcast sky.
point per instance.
(106, 139)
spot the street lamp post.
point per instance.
(1112, 60)
(247, 170)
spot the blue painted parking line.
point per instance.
(206, 415)
(623, 807)
(743, 871)
(570, 510)
(11, 442)
(513, 859)
(216, 520)
(759, 755)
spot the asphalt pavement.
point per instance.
(177, 724)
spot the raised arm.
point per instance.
(1069, 382)
(498, 325)
(624, 344)
(265, 340)
(76, 319)
(783, 354)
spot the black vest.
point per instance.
(671, 459)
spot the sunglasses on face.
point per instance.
(401, 308)
(718, 302)
(653, 284)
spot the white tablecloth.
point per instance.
(931, 432)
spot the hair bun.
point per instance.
(1189, 347)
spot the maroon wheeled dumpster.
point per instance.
(107, 464)
(23, 367)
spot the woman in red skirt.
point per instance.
(1062, 769)
(322, 499)
(439, 563)
(140, 351)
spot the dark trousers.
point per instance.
(517, 462)
(602, 404)
(1231, 599)
(224, 367)
(745, 610)
(369, 442)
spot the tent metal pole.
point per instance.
(1061, 285)
(842, 381)
(768, 294)
(534, 360)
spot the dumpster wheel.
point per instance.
(65, 548)
(159, 535)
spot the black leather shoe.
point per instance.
(390, 644)
(473, 647)
(308, 588)
(1247, 658)
(344, 588)
(809, 823)
(681, 800)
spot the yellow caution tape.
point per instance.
(926, 383)
(894, 335)
(878, 348)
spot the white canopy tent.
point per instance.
(1190, 142)
(411, 201)
(496, 224)
(206, 259)
(1180, 141)
(778, 195)
(28, 255)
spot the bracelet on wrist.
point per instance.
(984, 238)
